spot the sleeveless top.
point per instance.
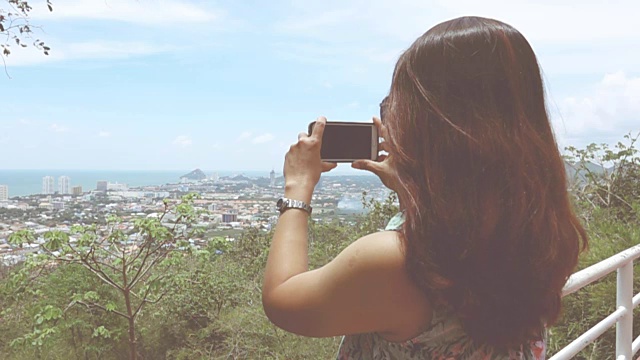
(444, 339)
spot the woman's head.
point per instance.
(489, 229)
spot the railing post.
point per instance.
(624, 327)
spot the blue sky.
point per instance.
(176, 84)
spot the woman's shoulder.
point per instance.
(378, 250)
(381, 256)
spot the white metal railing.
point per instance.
(625, 303)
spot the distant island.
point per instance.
(196, 174)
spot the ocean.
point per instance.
(29, 182)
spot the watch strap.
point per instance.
(286, 203)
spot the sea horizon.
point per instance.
(24, 182)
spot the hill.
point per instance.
(196, 174)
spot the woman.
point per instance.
(487, 238)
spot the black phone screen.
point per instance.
(346, 141)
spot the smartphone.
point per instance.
(348, 141)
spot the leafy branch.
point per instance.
(606, 178)
(15, 27)
(128, 263)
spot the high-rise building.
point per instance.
(64, 186)
(102, 185)
(272, 178)
(229, 217)
(76, 190)
(47, 185)
(4, 192)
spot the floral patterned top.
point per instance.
(444, 339)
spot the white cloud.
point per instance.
(113, 49)
(245, 135)
(376, 31)
(404, 20)
(610, 109)
(182, 141)
(592, 60)
(264, 138)
(58, 128)
(144, 12)
(100, 50)
(104, 134)
(563, 23)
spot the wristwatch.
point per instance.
(284, 204)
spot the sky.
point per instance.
(228, 85)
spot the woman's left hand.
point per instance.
(302, 164)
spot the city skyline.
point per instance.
(31, 182)
(178, 85)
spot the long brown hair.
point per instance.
(489, 227)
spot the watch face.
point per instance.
(280, 203)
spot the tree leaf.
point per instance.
(110, 306)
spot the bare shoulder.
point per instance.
(378, 262)
(366, 288)
(382, 250)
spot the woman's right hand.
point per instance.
(382, 166)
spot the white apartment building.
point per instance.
(64, 185)
(4, 192)
(117, 187)
(47, 185)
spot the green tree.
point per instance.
(605, 178)
(130, 263)
(37, 323)
(605, 184)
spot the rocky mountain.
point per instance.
(577, 172)
(196, 174)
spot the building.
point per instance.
(272, 178)
(64, 185)
(229, 218)
(58, 205)
(4, 192)
(117, 187)
(76, 190)
(47, 185)
(102, 185)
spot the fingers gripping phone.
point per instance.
(348, 141)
